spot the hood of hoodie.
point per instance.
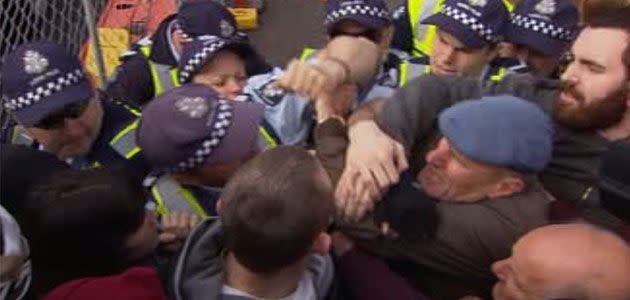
(199, 270)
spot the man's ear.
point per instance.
(386, 38)
(507, 186)
(321, 244)
(493, 52)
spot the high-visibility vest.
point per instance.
(171, 196)
(124, 143)
(306, 53)
(164, 77)
(423, 35)
(409, 71)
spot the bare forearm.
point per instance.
(366, 112)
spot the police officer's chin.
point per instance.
(75, 149)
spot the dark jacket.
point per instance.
(570, 176)
(455, 260)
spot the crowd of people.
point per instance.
(457, 149)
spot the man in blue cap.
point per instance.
(465, 43)
(541, 32)
(483, 173)
(590, 108)
(150, 68)
(194, 140)
(54, 106)
(289, 113)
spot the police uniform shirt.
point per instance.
(289, 114)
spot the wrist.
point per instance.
(357, 129)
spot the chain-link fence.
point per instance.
(61, 21)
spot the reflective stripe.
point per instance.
(498, 75)
(419, 10)
(20, 137)
(164, 77)
(125, 141)
(306, 53)
(508, 5)
(410, 71)
(171, 196)
(269, 140)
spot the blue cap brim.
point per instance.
(540, 42)
(33, 114)
(465, 35)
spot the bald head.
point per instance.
(574, 261)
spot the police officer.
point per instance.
(150, 68)
(411, 36)
(289, 113)
(541, 32)
(465, 43)
(220, 64)
(54, 106)
(195, 140)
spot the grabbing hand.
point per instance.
(175, 228)
(373, 163)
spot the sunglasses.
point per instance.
(370, 34)
(57, 119)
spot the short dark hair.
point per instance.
(274, 207)
(77, 224)
(614, 16)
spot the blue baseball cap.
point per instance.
(191, 125)
(549, 26)
(206, 17)
(40, 78)
(502, 131)
(476, 23)
(202, 49)
(369, 13)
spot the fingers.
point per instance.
(179, 223)
(288, 78)
(167, 237)
(400, 158)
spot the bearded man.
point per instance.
(589, 106)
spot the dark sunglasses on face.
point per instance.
(57, 119)
(370, 34)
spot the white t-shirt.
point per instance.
(304, 291)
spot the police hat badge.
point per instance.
(195, 108)
(227, 30)
(546, 7)
(34, 62)
(479, 3)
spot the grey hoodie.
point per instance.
(199, 269)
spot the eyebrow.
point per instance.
(591, 63)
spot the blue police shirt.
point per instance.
(290, 115)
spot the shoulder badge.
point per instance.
(270, 94)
